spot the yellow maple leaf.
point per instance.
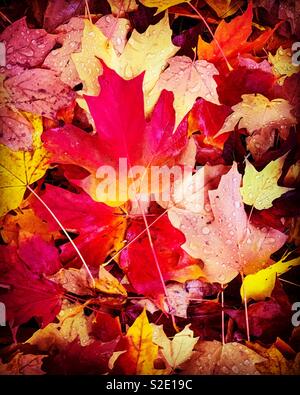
(282, 64)
(119, 7)
(72, 324)
(255, 112)
(162, 5)
(260, 188)
(94, 45)
(109, 284)
(21, 168)
(260, 285)
(141, 352)
(224, 8)
(177, 350)
(142, 52)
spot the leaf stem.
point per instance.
(64, 231)
(246, 308)
(230, 68)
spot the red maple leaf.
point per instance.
(174, 263)
(233, 37)
(97, 225)
(121, 132)
(23, 272)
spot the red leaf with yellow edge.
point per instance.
(122, 132)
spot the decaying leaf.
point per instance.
(275, 363)
(211, 357)
(29, 91)
(23, 364)
(16, 130)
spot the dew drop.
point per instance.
(237, 204)
(221, 277)
(205, 230)
(207, 207)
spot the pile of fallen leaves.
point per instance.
(200, 285)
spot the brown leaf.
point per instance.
(60, 11)
(211, 357)
(275, 362)
(21, 364)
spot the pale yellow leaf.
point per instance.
(256, 112)
(143, 52)
(120, 7)
(148, 52)
(94, 45)
(282, 64)
(187, 79)
(260, 188)
(177, 350)
(162, 5)
(217, 229)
